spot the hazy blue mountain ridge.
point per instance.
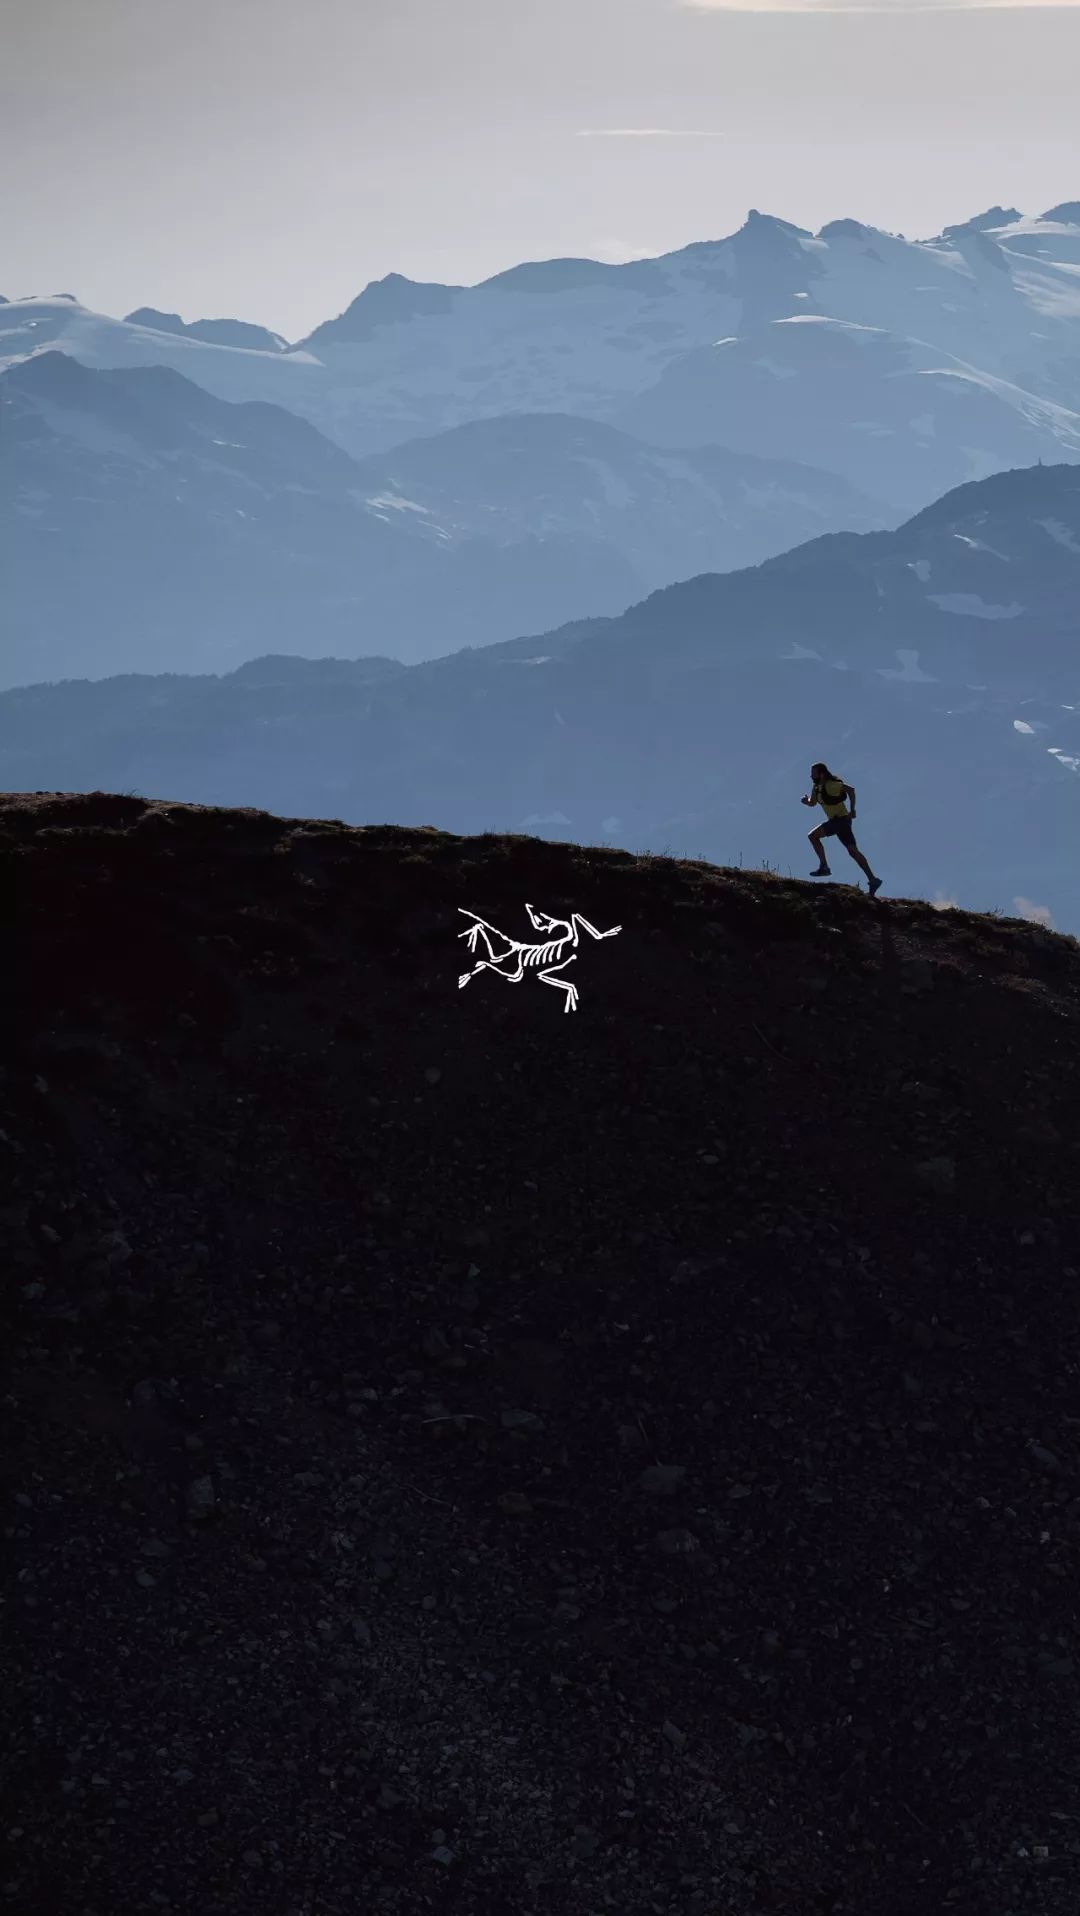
(935, 666)
(146, 525)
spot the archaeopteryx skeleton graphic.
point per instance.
(562, 932)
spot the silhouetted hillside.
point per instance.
(934, 666)
(465, 1457)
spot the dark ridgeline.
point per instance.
(463, 1457)
(936, 664)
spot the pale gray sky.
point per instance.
(264, 159)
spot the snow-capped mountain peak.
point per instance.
(216, 332)
(997, 296)
(391, 301)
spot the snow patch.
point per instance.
(910, 672)
(977, 545)
(969, 605)
(1059, 533)
(825, 319)
(397, 503)
(778, 372)
(921, 569)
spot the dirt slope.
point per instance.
(464, 1457)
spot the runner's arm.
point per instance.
(850, 790)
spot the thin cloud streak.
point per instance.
(650, 132)
(877, 6)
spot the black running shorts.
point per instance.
(838, 828)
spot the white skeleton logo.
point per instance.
(562, 932)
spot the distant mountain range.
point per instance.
(374, 523)
(996, 298)
(894, 416)
(215, 332)
(935, 666)
(146, 525)
(550, 444)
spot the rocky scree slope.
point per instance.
(460, 1456)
